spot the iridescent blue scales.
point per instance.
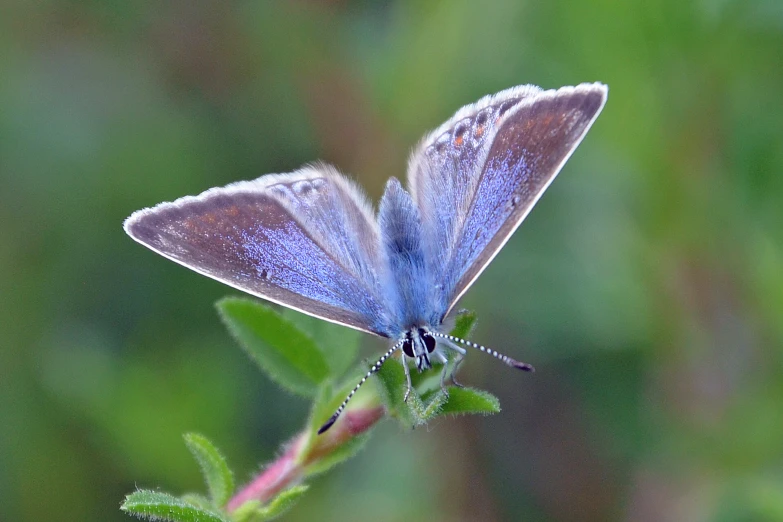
(309, 240)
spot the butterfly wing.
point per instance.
(477, 176)
(306, 240)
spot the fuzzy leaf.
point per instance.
(463, 324)
(154, 505)
(197, 500)
(325, 405)
(247, 512)
(415, 411)
(253, 511)
(463, 401)
(338, 343)
(283, 502)
(428, 379)
(424, 408)
(393, 384)
(434, 405)
(288, 355)
(217, 475)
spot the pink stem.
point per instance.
(289, 468)
(273, 479)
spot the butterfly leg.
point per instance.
(407, 377)
(461, 352)
(445, 362)
(458, 360)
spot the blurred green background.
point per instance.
(646, 287)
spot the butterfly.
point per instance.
(310, 240)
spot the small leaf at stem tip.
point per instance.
(462, 401)
(154, 505)
(217, 475)
(200, 501)
(253, 511)
(328, 424)
(329, 399)
(464, 323)
(341, 453)
(434, 405)
(392, 383)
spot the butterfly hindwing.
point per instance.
(306, 240)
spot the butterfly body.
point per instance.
(309, 240)
(410, 286)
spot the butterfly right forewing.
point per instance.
(477, 176)
(444, 174)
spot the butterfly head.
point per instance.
(419, 344)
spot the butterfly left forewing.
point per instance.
(306, 240)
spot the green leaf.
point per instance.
(412, 413)
(220, 481)
(324, 406)
(393, 384)
(154, 505)
(464, 324)
(339, 343)
(197, 500)
(247, 512)
(434, 405)
(463, 401)
(288, 355)
(428, 379)
(253, 511)
(283, 502)
(328, 399)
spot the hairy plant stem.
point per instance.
(304, 450)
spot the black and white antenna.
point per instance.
(375, 368)
(505, 359)
(449, 340)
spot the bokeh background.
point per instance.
(646, 286)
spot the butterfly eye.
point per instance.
(429, 342)
(407, 347)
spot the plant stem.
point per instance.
(291, 467)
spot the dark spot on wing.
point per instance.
(505, 106)
(482, 117)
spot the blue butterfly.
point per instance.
(309, 240)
